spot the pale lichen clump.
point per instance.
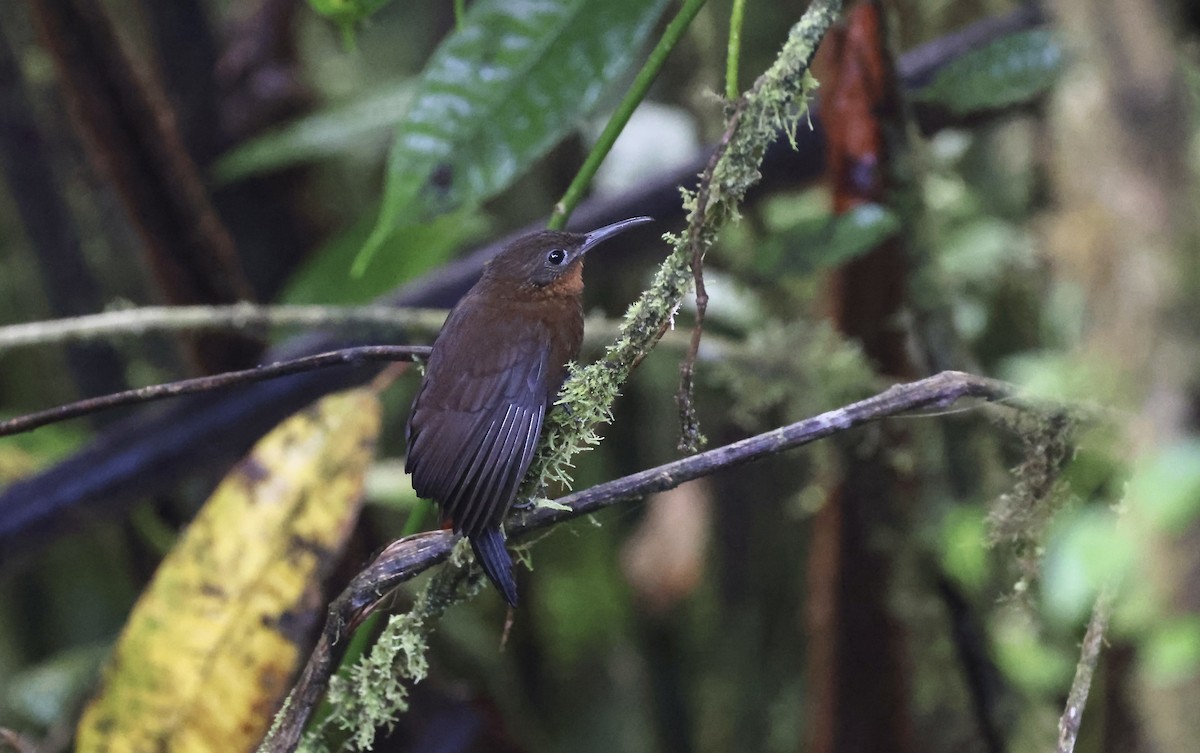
(374, 692)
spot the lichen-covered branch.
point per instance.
(375, 690)
(778, 100)
(404, 559)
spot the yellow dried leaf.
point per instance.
(211, 646)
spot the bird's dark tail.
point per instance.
(493, 557)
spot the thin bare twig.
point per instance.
(345, 357)
(690, 438)
(1089, 657)
(778, 97)
(17, 743)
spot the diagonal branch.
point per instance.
(778, 99)
(408, 557)
(1089, 657)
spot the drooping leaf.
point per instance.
(340, 129)
(210, 648)
(1008, 71)
(503, 88)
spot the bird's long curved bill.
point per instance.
(599, 235)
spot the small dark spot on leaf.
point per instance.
(208, 588)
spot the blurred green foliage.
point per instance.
(474, 105)
(347, 14)
(1006, 72)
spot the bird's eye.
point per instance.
(556, 257)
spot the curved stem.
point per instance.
(734, 52)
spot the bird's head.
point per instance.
(541, 259)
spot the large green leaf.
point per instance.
(503, 88)
(1008, 71)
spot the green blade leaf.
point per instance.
(501, 90)
(1009, 71)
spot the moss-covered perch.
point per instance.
(778, 99)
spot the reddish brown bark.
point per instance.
(858, 675)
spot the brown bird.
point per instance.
(494, 373)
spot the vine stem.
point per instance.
(635, 95)
(734, 51)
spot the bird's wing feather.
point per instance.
(473, 429)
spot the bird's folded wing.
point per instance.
(474, 429)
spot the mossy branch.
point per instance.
(778, 99)
(374, 692)
(406, 558)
